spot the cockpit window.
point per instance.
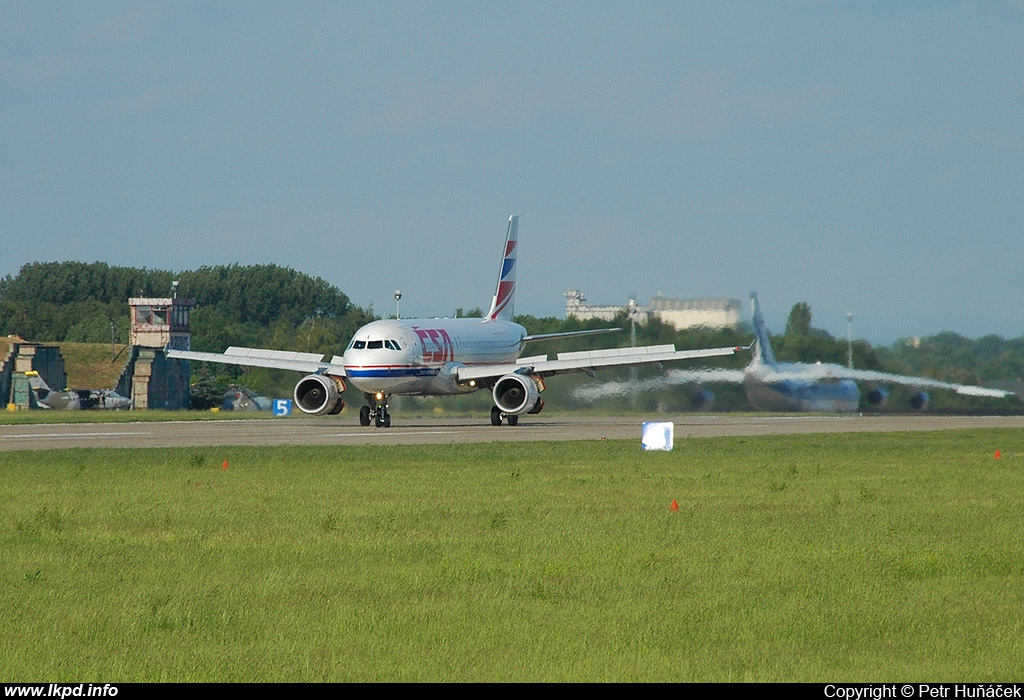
(375, 345)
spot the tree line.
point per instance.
(278, 307)
(237, 305)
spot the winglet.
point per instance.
(503, 304)
(762, 348)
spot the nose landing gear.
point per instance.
(376, 411)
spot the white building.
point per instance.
(678, 313)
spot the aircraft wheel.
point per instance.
(380, 421)
(512, 420)
(495, 416)
(364, 416)
(387, 420)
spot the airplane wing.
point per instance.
(589, 361)
(672, 378)
(257, 357)
(680, 377)
(826, 372)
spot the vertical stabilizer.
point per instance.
(503, 304)
(37, 384)
(762, 349)
(45, 396)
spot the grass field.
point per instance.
(857, 557)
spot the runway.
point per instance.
(419, 430)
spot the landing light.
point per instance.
(379, 396)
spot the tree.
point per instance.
(799, 322)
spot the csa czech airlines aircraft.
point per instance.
(443, 357)
(775, 386)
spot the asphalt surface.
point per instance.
(418, 430)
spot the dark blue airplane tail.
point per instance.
(762, 348)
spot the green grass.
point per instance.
(862, 557)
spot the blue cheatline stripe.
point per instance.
(392, 372)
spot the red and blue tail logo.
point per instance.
(502, 306)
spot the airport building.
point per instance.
(143, 373)
(678, 313)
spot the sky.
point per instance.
(862, 157)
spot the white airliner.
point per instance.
(776, 386)
(443, 357)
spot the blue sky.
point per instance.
(864, 157)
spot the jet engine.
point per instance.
(319, 394)
(877, 396)
(516, 394)
(702, 400)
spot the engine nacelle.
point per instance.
(319, 394)
(516, 394)
(702, 400)
(919, 401)
(877, 396)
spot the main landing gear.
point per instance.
(376, 410)
(497, 415)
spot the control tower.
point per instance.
(157, 323)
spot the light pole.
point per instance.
(849, 340)
(631, 307)
(398, 302)
(633, 310)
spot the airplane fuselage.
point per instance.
(418, 356)
(78, 399)
(767, 391)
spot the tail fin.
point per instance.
(762, 347)
(503, 304)
(36, 382)
(40, 388)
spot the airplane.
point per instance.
(239, 398)
(74, 399)
(776, 386)
(444, 357)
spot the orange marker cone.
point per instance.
(675, 506)
(998, 454)
(225, 465)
